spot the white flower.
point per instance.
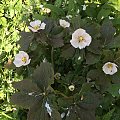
(49, 110)
(119, 91)
(80, 39)
(71, 87)
(110, 68)
(21, 59)
(111, 18)
(36, 25)
(69, 16)
(63, 115)
(46, 10)
(84, 7)
(64, 23)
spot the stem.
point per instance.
(59, 93)
(52, 61)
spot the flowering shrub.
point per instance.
(71, 66)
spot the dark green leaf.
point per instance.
(92, 58)
(57, 42)
(107, 32)
(114, 89)
(84, 110)
(56, 10)
(115, 43)
(43, 76)
(67, 51)
(103, 13)
(39, 112)
(25, 40)
(108, 115)
(23, 100)
(26, 86)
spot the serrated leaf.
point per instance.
(25, 40)
(84, 110)
(39, 112)
(114, 89)
(57, 42)
(26, 86)
(93, 29)
(23, 100)
(103, 13)
(107, 32)
(58, 3)
(115, 43)
(92, 58)
(43, 76)
(67, 51)
(56, 10)
(76, 22)
(108, 115)
(41, 37)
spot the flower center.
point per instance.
(36, 27)
(24, 59)
(80, 39)
(110, 66)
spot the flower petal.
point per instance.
(17, 63)
(74, 43)
(35, 23)
(32, 29)
(42, 26)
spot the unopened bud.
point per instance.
(57, 76)
(71, 87)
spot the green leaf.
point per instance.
(39, 112)
(25, 40)
(26, 86)
(56, 39)
(103, 13)
(43, 76)
(93, 29)
(23, 100)
(92, 58)
(114, 89)
(67, 51)
(107, 32)
(58, 3)
(84, 110)
(57, 42)
(91, 10)
(108, 115)
(41, 37)
(64, 103)
(77, 22)
(56, 10)
(115, 43)
(115, 4)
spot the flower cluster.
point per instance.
(80, 39)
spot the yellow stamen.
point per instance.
(81, 39)
(110, 66)
(36, 27)
(24, 59)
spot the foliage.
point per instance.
(96, 95)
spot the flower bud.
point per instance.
(57, 76)
(71, 87)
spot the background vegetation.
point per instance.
(15, 14)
